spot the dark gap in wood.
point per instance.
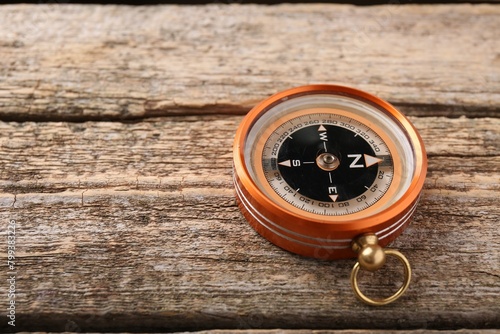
(449, 111)
(461, 156)
(409, 109)
(195, 321)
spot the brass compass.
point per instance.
(330, 172)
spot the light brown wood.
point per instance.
(132, 225)
(110, 62)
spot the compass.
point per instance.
(330, 172)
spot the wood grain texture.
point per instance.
(131, 225)
(75, 62)
(120, 222)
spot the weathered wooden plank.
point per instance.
(133, 227)
(187, 261)
(172, 153)
(75, 62)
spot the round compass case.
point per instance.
(317, 166)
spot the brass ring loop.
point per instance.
(394, 297)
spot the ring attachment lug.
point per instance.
(372, 257)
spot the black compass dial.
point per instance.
(328, 164)
(312, 148)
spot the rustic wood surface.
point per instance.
(110, 62)
(115, 162)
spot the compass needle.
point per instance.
(317, 166)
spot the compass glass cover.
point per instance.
(329, 155)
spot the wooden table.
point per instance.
(115, 164)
